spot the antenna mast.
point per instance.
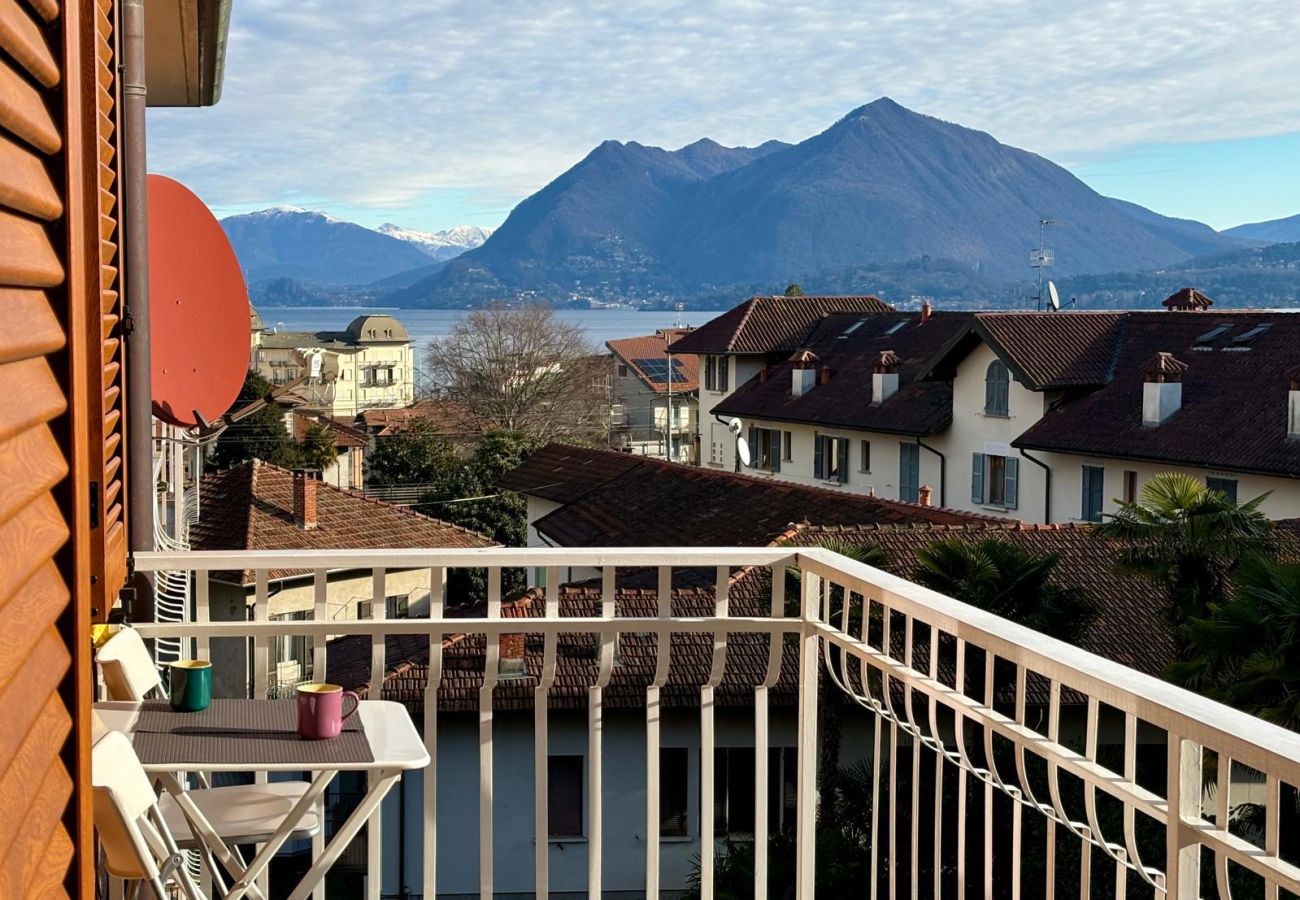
(1040, 259)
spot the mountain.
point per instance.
(881, 186)
(1274, 231)
(289, 242)
(441, 245)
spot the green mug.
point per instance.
(191, 685)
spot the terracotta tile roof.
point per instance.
(348, 659)
(250, 507)
(770, 324)
(1234, 395)
(1053, 350)
(343, 433)
(1129, 629)
(658, 504)
(563, 473)
(447, 417)
(654, 346)
(850, 346)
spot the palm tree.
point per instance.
(1188, 539)
(1002, 578)
(1246, 652)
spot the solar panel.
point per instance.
(656, 370)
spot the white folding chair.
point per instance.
(129, 670)
(138, 846)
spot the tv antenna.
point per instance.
(1041, 258)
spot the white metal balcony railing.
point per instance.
(974, 717)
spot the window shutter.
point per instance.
(774, 449)
(843, 457)
(818, 455)
(724, 374)
(753, 447)
(977, 478)
(1011, 486)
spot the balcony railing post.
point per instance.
(1183, 857)
(806, 787)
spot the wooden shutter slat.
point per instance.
(23, 112)
(30, 688)
(46, 9)
(32, 380)
(59, 854)
(41, 823)
(25, 184)
(31, 761)
(30, 465)
(28, 326)
(27, 258)
(26, 541)
(21, 38)
(26, 618)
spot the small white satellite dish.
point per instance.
(742, 450)
(1053, 297)
(734, 426)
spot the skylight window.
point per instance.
(1214, 334)
(897, 326)
(852, 328)
(1247, 336)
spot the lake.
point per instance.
(600, 324)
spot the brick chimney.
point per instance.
(823, 374)
(304, 500)
(923, 494)
(884, 377)
(1162, 388)
(803, 375)
(926, 311)
(1293, 404)
(511, 660)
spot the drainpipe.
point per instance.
(943, 472)
(1047, 485)
(737, 455)
(139, 411)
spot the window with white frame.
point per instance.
(864, 461)
(831, 458)
(995, 480)
(674, 763)
(564, 795)
(765, 449)
(716, 373)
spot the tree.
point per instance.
(523, 370)
(261, 435)
(996, 575)
(1187, 539)
(317, 449)
(416, 455)
(793, 290)
(1246, 652)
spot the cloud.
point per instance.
(383, 106)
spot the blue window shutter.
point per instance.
(1011, 487)
(724, 367)
(818, 456)
(774, 449)
(753, 447)
(977, 478)
(909, 471)
(844, 459)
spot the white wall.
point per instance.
(739, 370)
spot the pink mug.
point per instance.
(320, 710)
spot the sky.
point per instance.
(433, 114)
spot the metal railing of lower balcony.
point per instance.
(1002, 762)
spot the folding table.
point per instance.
(391, 742)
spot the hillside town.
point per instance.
(570, 556)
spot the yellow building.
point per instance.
(369, 365)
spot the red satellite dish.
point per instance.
(198, 308)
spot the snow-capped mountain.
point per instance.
(441, 245)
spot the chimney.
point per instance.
(824, 375)
(1293, 404)
(926, 312)
(510, 658)
(1162, 388)
(884, 377)
(804, 372)
(1187, 299)
(762, 375)
(304, 500)
(923, 494)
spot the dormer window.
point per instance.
(997, 388)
